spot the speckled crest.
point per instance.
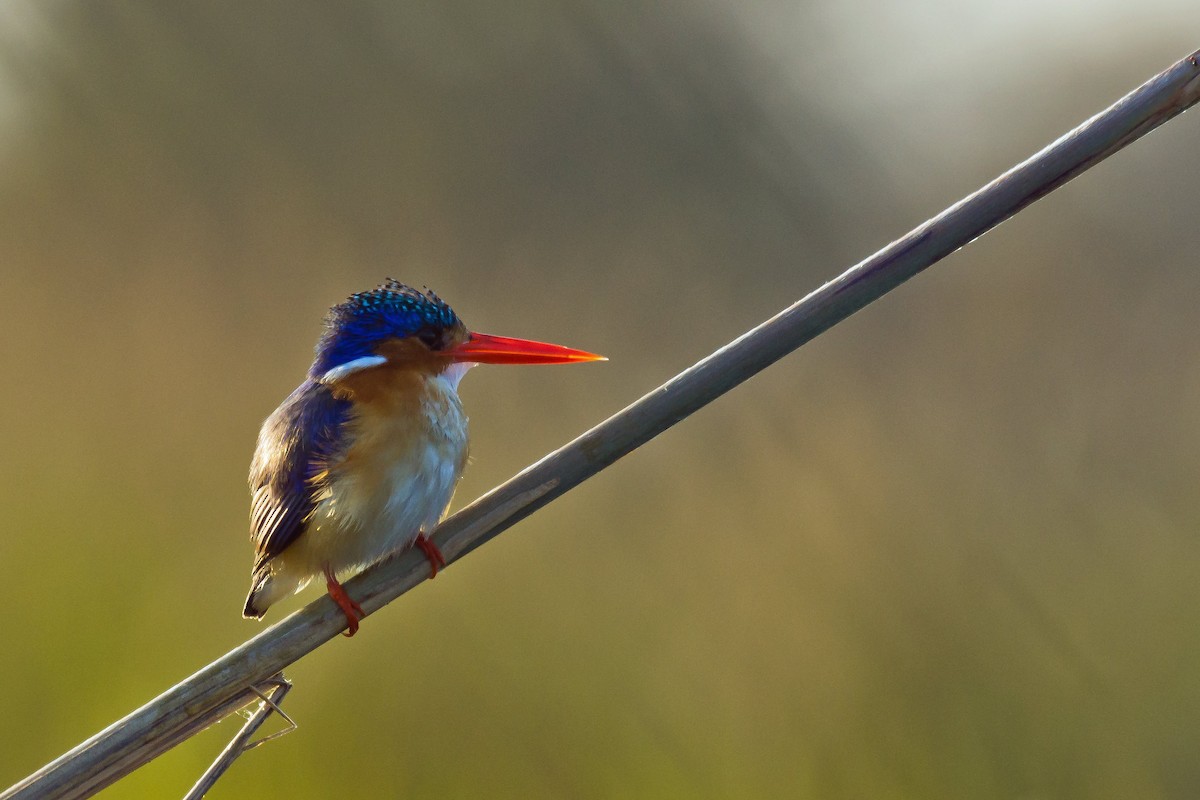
(396, 306)
(391, 309)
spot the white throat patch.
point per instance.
(454, 373)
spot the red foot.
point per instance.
(436, 559)
(351, 609)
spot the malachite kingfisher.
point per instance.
(361, 460)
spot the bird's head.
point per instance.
(398, 325)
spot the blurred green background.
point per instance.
(947, 550)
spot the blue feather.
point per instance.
(295, 446)
(391, 310)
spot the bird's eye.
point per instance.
(432, 338)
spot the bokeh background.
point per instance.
(948, 549)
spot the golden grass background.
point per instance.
(947, 550)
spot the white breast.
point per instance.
(406, 454)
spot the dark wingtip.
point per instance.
(250, 611)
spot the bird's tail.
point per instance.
(260, 597)
(269, 585)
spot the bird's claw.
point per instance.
(436, 559)
(353, 611)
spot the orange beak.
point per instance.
(482, 348)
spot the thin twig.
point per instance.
(220, 686)
(241, 742)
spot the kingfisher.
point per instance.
(361, 460)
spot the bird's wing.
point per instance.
(295, 447)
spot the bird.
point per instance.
(361, 460)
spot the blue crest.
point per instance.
(392, 309)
